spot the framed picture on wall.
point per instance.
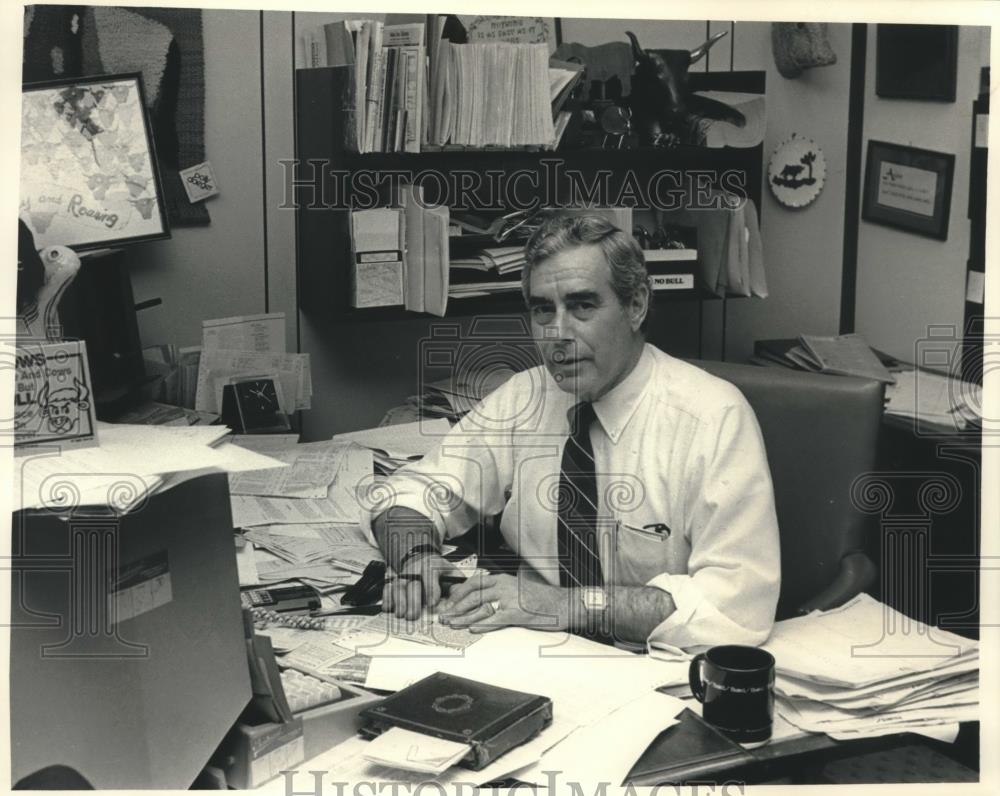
(917, 62)
(908, 188)
(89, 175)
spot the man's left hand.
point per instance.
(488, 602)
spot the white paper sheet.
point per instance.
(795, 687)
(340, 504)
(606, 750)
(346, 763)
(215, 368)
(246, 565)
(861, 643)
(402, 440)
(517, 658)
(316, 655)
(245, 333)
(265, 443)
(307, 473)
(125, 465)
(413, 751)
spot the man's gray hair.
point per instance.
(567, 231)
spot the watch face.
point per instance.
(595, 599)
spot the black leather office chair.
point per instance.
(820, 433)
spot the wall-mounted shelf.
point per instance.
(329, 178)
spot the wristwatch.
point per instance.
(594, 598)
(419, 550)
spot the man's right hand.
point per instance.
(416, 586)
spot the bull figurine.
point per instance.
(664, 111)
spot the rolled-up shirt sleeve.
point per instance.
(458, 483)
(730, 591)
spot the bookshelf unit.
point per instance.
(326, 173)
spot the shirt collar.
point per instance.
(615, 408)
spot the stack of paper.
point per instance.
(394, 446)
(844, 355)
(454, 398)
(864, 670)
(935, 399)
(493, 94)
(154, 413)
(480, 274)
(338, 503)
(605, 707)
(302, 518)
(251, 346)
(730, 248)
(130, 463)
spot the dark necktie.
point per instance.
(579, 557)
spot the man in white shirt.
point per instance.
(634, 486)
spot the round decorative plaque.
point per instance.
(796, 172)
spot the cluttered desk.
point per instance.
(303, 664)
(322, 665)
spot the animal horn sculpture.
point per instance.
(664, 111)
(701, 50)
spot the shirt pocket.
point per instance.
(642, 551)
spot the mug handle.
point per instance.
(694, 677)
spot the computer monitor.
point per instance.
(128, 663)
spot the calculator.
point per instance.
(282, 598)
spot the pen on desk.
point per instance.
(361, 610)
(446, 581)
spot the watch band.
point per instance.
(413, 552)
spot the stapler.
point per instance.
(368, 589)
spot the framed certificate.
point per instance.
(89, 176)
(908, 188)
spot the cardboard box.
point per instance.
(253, 754)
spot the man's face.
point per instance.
(588, 340)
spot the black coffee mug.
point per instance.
(736, 686)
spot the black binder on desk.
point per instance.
(492, 720)
(690, 750)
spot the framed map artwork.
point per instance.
(89, 176)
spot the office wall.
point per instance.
(217, 270)
(803, 248)
(907, 282)
(360, 369)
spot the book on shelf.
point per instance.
(419, 88)
(332, 44)
(401, 255)
(377, 242)
(414, 254)
(407, 40)
(436, 272)
(340, 41)
(426, 254)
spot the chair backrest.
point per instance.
(820, 433)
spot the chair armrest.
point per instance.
(857, 573)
